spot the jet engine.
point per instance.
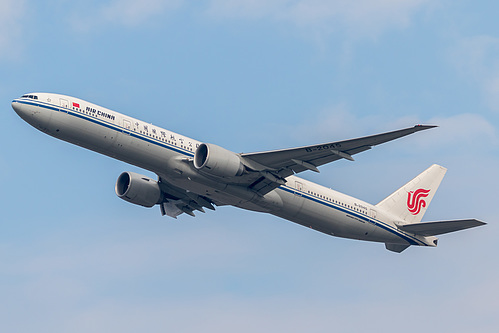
(138, 189)
(217, 161)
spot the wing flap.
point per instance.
(178, 201)
(440, 227)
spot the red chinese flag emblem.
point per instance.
(76, 105)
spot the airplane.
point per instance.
(194, 176)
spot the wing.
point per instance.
(275, 166)
(177, 201)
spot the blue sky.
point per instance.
(250, 76)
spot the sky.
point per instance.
(249, 76)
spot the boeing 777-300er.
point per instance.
(193, 175)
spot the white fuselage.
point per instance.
(164, 153)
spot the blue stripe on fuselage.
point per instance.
(379, 223)
(106, 124)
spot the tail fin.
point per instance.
(411, 201)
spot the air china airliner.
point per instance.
(194, 176)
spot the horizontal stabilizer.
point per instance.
(440, 227)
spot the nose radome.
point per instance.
(22, 110)
(31, 113)
(16, 106)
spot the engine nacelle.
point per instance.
(217, 161)
(138, 189)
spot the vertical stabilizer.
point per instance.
(410, 202)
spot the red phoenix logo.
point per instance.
(415, 200)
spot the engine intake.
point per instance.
(217, 161)
(138, 189)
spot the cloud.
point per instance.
(462, 132)
(224, 313)
(11, 14)
(358, 18)
(321, 17)
(131, 257)
(339, 122)
(454, 133)
(124, 13)
(317, 19)
(477, 57)
(133, 12)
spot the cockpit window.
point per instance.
(30, 96)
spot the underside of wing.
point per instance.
(275, 166)
(177, 201)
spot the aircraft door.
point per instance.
(64, 104)
(127, 125)
(298, 188)
(372, 217)
(294, 202)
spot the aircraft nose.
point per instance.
(31, 112)
(16, 106)
(22, 110)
